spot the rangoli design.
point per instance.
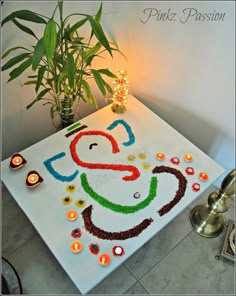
(102, 234)
(128, 130)
(54, 173)
(102, 166)
(181, 189)
(131, 173)
(124, 209)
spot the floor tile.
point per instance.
(136, 289)
(16, 227)
(191, 268)
(155, 249)
(119, 281)
(39, 271)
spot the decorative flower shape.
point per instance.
(142, 155)
(76, 233)
(196, 187)
(80, 203)
(190, 171)
(118, 251)
(175, 160)
(146, 165)
(71, 188)
(136, 195)
(94, 248)
(66, 200)
(131, 157)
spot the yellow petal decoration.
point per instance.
(66, 200)
(142, 155)
(131, 157)
(80, 203)
(146, 165)
(71, 188)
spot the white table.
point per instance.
(44, 207)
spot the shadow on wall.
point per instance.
(201, 133)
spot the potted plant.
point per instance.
(62, 59)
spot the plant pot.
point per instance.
(67, 115)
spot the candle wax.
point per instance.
(33, 178)
(17, 160)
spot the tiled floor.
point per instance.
(175, 261)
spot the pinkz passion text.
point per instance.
(187, 15)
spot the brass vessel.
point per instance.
(207, 220)
(118, 108)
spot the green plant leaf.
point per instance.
(80, 95)
(98, 32)
(58, 84)
(26, 15)
(108, 87)
(116, 49)
(15, 60)
(31, 104)
(38, 54)
(93, 50)
(44, 104)
(97, 18)
(30, 82)
(86, 88)
(17, 71)
(70, 69)
(32, 76)
(99, 14)
(107, 73)
(52, 111)
(82, 72)
(42, 93)
(77, 26)
(41, 72)
(24, 28)
(50, 39)
(11, 49)
(99, 81)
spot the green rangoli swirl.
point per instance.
(117, 207)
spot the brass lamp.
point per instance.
(207, 220)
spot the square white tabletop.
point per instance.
(43, 204)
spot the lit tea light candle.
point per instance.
(196, 187)
(188, 157)
(72, 215)
(203, 176)
(33, 178)
(160, 156)
(17, 160)
(76, 246)
(104, 259)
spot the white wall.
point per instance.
(183, 72)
